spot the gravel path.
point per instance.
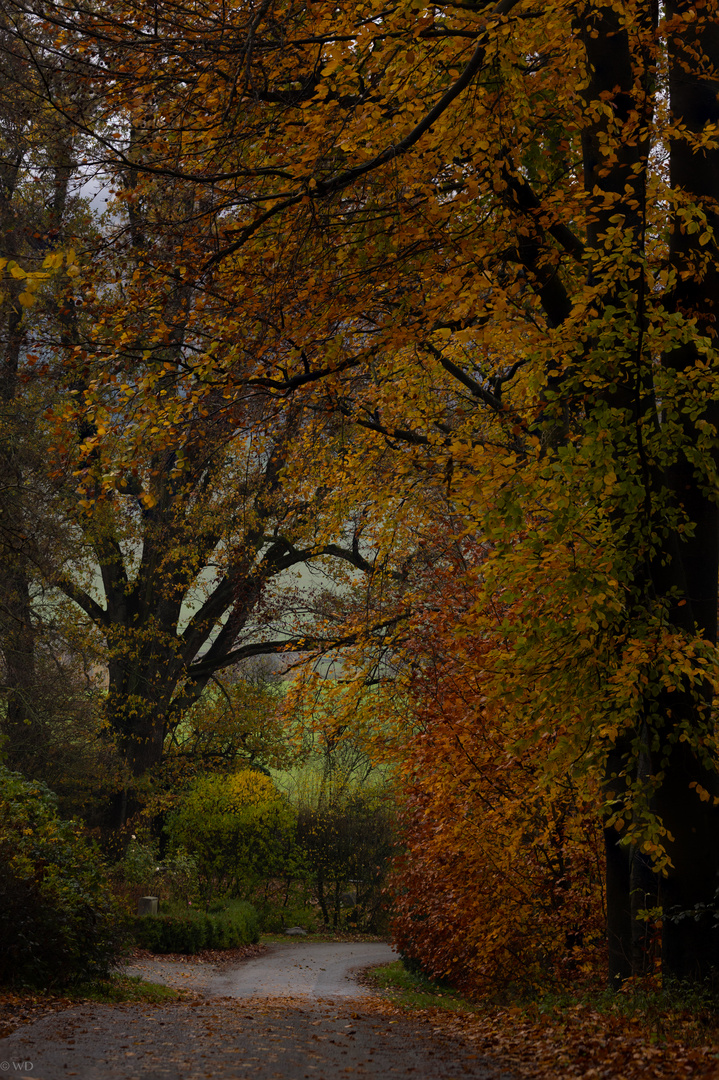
(311, 1022)
(313, 970)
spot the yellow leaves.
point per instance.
(33, 279)
(703, 794)
(332, 65)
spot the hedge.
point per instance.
(188, 933)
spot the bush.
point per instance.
(191, 931)
(58, 919)
(139, 865)
(141, 872)
(240, 831)
(275, 919)
(348, 847)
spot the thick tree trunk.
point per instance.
(17, 633)
(644, 887)
(136, 710)
(690, 942)
(616, 185)
(685, 575)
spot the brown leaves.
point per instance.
(18, 1008)
(577, 1044)
(500, 883)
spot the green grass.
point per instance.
(123, 988)
(416, 991)
(649, 1006)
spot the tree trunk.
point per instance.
(690, 941)
(618, 871)
(17, 633)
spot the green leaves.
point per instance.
(58, 920)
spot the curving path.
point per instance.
(293, 1014)
(304, 969)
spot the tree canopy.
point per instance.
(465, 253)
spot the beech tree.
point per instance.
(173, 534)
(486, 233)
(38, 210)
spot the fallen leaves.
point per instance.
(576, 1044)
(216, 957)
(18, 1008)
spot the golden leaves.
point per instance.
(33, 279)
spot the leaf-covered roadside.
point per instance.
(579, 1042)
(631, 1036)
(19, 1008)
(216, 957)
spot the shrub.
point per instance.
(58, 919)
(348, 847)
(140, 863)
(240, 831)
(142, 871)
(275, 919)
(191, 931)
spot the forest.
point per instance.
(359, 406)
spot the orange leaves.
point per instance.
(500, 878)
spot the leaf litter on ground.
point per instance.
(579, 1041)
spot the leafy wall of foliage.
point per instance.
(58, 919)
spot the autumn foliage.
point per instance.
(401, 280)
(500, 882)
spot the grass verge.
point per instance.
(660, 1014)
(642, 1032)
(123, 988)
(22, 1006)
(415, 991)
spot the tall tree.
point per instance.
(487, 232)
(36, 204)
